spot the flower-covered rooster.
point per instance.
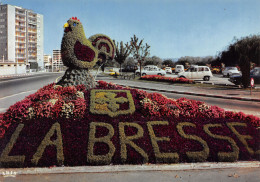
(80, 54)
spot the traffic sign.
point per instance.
(252, 82)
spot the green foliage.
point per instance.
(153, 61)
(129, 62)
(246, 46)
(242, 52)
(168, 63)
(189, 60)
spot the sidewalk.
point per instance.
(216, 92)
(23, 75)
(195, 172)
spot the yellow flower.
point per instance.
(101, 107)
(100, 94)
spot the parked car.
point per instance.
(197, 72)
(114, 74)
(156, 71)
(255, 73)
(179, 68)
(150, 67)
(129, 69)
(229, 71)
(215, 70)
(168, 70)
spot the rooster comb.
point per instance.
(75, 18)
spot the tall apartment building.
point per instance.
(21, 36)
(47, 60)
(57, 64)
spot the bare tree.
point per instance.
(122, 52)
(139, 51)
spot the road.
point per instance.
(231, 105)
(16, 89)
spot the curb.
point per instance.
(24, 74)
(129, 168)
(16, 75)
(196, 94)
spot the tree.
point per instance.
(129, 62)
(122, 52)
(139, 51)
(242, 52)
(245, 69)
(201, 61)
(248, 46)
(168, 63)
(153, 61)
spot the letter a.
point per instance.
(47, 141)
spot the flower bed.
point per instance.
(111, 124)
(166, 79)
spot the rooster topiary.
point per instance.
(80, 54)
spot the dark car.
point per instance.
(129, 69)
(255, 73)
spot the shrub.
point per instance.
(166, 79)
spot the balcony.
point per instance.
(19, 25)
(21, 61)
(32, 22)
(32, 39)
(20, 53)
(19, 57)
(19, 41)
(32, 15)
(20, 46)
(32, 48)
(19, 30)
(31, 52)
(20, 36)
(20, 13)
(20, 19)
(34, 31)
(32, 43)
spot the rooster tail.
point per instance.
(104, 45)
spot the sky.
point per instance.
(173, 28)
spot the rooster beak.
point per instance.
(66, 25)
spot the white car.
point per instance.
(168, 70)
(156, 71)
(179, 68)
(197, 72)
(229, 71)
